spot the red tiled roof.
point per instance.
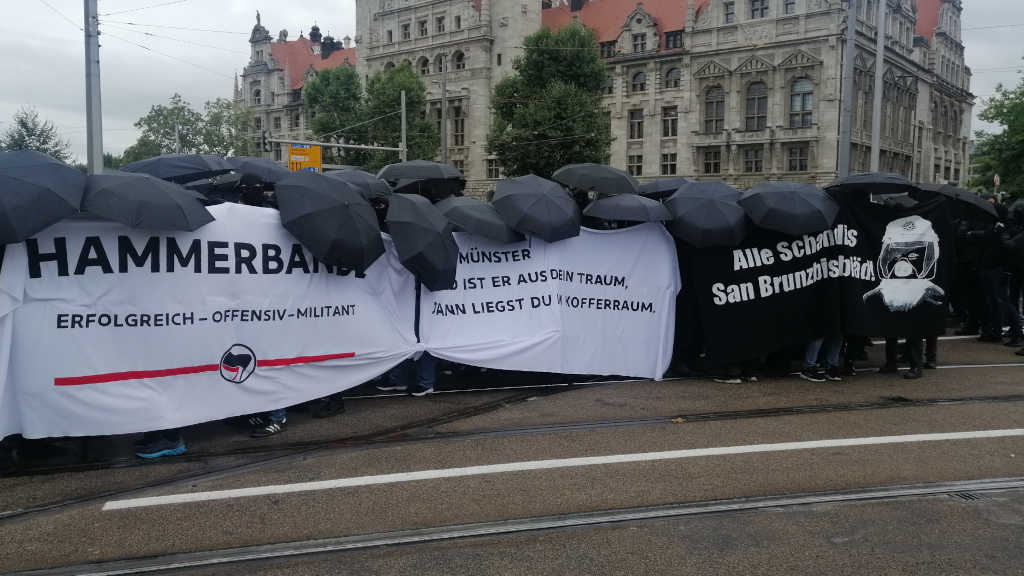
(296, 57)
(927, 18)
(606, 17)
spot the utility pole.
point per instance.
(444, 108)
(404, 154)
(93, 106)
(876, 105)
(846, 112)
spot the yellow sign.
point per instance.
(304, 157)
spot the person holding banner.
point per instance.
(812, 371)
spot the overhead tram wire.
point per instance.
(141, 8)
(184, 28)
(61, 14)
(165, 55)
(342, 130)
(182, 40)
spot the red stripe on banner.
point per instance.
(133, 375)
(184, 371)
(302, 360)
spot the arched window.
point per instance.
(460, 60)
(639, 82)
(801, 104)
(757, 106)
(439, 63)
(424, 65)
(389, 65)
(257, 96)
(672, 78)
(714, 109)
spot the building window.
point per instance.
(758, 8)
(424, 66)
(277, 122)
(712, 161)
(673, 78)
(439, 25)
(639, 42)
(257, 97)
(714, 110)
(405, 32)
(668, 164)
(757, 106)
(436, 106)
(493, 169)
(639, 82)
(460, 61)
(277, 152)
(609, 85)
(459, 164)
(635, 164)
(636, 124)
(669, 122)
(458, 22)
(798, 158)
(439, 63)
(423, 28)
(608, 49)
(257, 124)
(499, 58)
(674, 40)
(801, 104)
(789, 6)
(753, 159)
(458, 127)
(391, 37)
(729, 12)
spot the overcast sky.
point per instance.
(43, 53)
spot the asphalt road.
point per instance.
(420, 473)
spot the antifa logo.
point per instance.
(237, 364)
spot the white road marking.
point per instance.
(546, 465)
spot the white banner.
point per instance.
(110, 330)
(600, 303)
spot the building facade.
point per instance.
(271, 84)
(471, 42)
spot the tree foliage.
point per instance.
(1002, 153)
(29, 132)
(225, 128)
(221, 128)
(384, 126)
(549, 113)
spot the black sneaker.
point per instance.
(270, 429)
(812, 374)
(420, 391)
(833, 375)
(929, 365)
(389, 387)
(159, 447)
(257, 421)
(326, 407)
(1020, 352)
(912, 374)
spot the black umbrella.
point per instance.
(265, 170)
(871, 182)
(330, 219)
(532, 205)
(599, 178)
(433, 188)
(790, 208)
(476, 217)
(627, 207)
(142, 201)
(710, 189)
(973, 200)
(419, 170)
(423, 238)
(662, 187)
(704, 217)
(181, 167)
(365, 183)
(223, 188)
(35, 192)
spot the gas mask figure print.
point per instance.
(907, 265)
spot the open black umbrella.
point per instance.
(265, 170)
(181, 167)
(627, 207)
(423, 238)
(533, 205)
(872, 183)
(710, 189)
(790, 208)
(476, 217)
(662, 187)
(974, 201)
(365, 183)
(599, 178)
(142, 201)
(704, 216)
(36, 191)
(223, 188)
(434, 189)
(419, 170)
(330, 219)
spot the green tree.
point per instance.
(112, 161)
(1002, 153)
(334, 98)
(549, 113)
(143, 148)
(384, 123)
(28, 132)
(172, 126)
(224, 129)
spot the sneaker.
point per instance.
(833, 375)
(849, 370)
(929, 365)
(912, 374)
(327, 407)
(160, 447)
(270, 429)
(750, 379)
(389, 387)
(257, 421)
(728, 380)
(812, 374)
(420, 392)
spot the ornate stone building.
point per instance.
(271, 84)
(478, 39)
(749, 90)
